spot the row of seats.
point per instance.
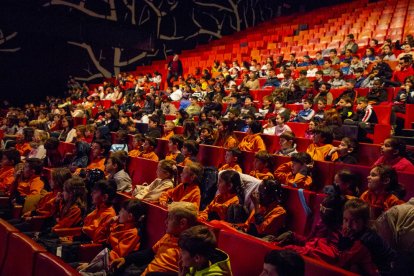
(20, 255)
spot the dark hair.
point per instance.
(352, 143)
(302, 158)
(122, 136)
(266, 158)
(331, 210)
(198, 240)
(52, 143)
(178, 140)
(35, 164)
(388, 172)
(359, 208)
(325, 132)
(152, 141)
(286, 262)
(104, 145)
(106, 188)
(398, 144)
(288, 135)
(59, 176)
(191, 146)
(273, 189)
(137, 209)
(255, 127)
(233, 177)
(351, 179)
(12, 155)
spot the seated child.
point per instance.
(124, 233)
(309, 133)
(287, 144)
(199, 253)
(348, 92)
(9, 159)
(229, 189)
(283, 262)
(306, 114)
(164, 255)
(28, 180)
(166, 176)
(71, 204)
(206, 135)
(344, 108)
(114, 167)
(321, 146)
(363, 247)
(46, 207)
(320, 111)
(252, 141)
(148, 149)
(393, 153)
(175, 144)
(231, 159)
(168, 130)
(121, 141)
(79, 157)
(99, 151)
(365, 118)
(189, 151)
(382, 187)
(263, 165)
(281, 126)
(137, 143)
(296, 172)
(377, 94)
(346, 184)
(103, 193)
(188, 190)
(23, 142)
(347, 151)
(268, 215)
(154, 129)
(324, 93)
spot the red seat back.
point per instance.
(247, 161)
(368, 153)
(5, 230)
(162, 148)
(211, 155)
(155, 224)
(246, 252)
(48, 264)
(361, 171)
(302, 144)
(21, 255)
(271, 142)
(406, 180)
(298, 128)
(322, 174)
(142, 170)
(383, 113)
(299, 220)
(316, 268)
(64, 148)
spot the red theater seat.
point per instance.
(406, 180)
(162, 148)
(361, 171)
(142, 170)
(155, 224)
(299, 129)
(21, 255)
(65, 148)
(5, 231)
(211, 155)
(48, 264)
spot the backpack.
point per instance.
(208, 186)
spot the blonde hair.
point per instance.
(183, 209)
(43, 135)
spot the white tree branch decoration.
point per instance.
(233, 10)
(204, 31)
(131, 8)
(158, 13)
(5, 39)
(81, 7)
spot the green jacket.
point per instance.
(220, 265)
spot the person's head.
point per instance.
(287, 140)
(167, 169)
(122, 137)
(299, 161)
(271, 191)
(249, 119)
(206, 131)
(333, 53)
(192, 173)
(262, 161)
(321, 103)
(404, 62)
(10, 158)
(255, 127)
(197, 247)
(32, 167)
(181, 216)
(392, 148)
(407, 48)
(80, 131)
(338, 74)
(383, 178)
(103, 192)
(322, 135)
(58, 178)
(229, 182)
(356, 217)
(111, 114)
(283, 263)
(345, 101)
(348, 145)
(114, 164)
(99, 149)
(267, 100)
(190, 148)
(369, 52)
(175, 143)
(153, 121)
(282, 118)
(307, 103)
(150, 144)
(138, 141)
(327, 64)
(346, 182)
(74, 192)
(232, 156)
(331, 210)
(132, 211)
(233, 113)
(248, 101)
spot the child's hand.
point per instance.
(82, 266)
(333, 150)
(163, 204)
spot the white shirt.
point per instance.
(176, 95)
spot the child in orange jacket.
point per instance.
(28, 181)
(190, 151)
(382, 184)
(137, 143)
(103, 193)
(71, 204)
(9, 159)
(252, 141)
(175, 144)
(168, 130)
(295, 173)
(322, 144)
(229, 192)
(263, 165)
(148, 149)
(232, 158)
(188, 190)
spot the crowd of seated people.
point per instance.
(212, 109)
